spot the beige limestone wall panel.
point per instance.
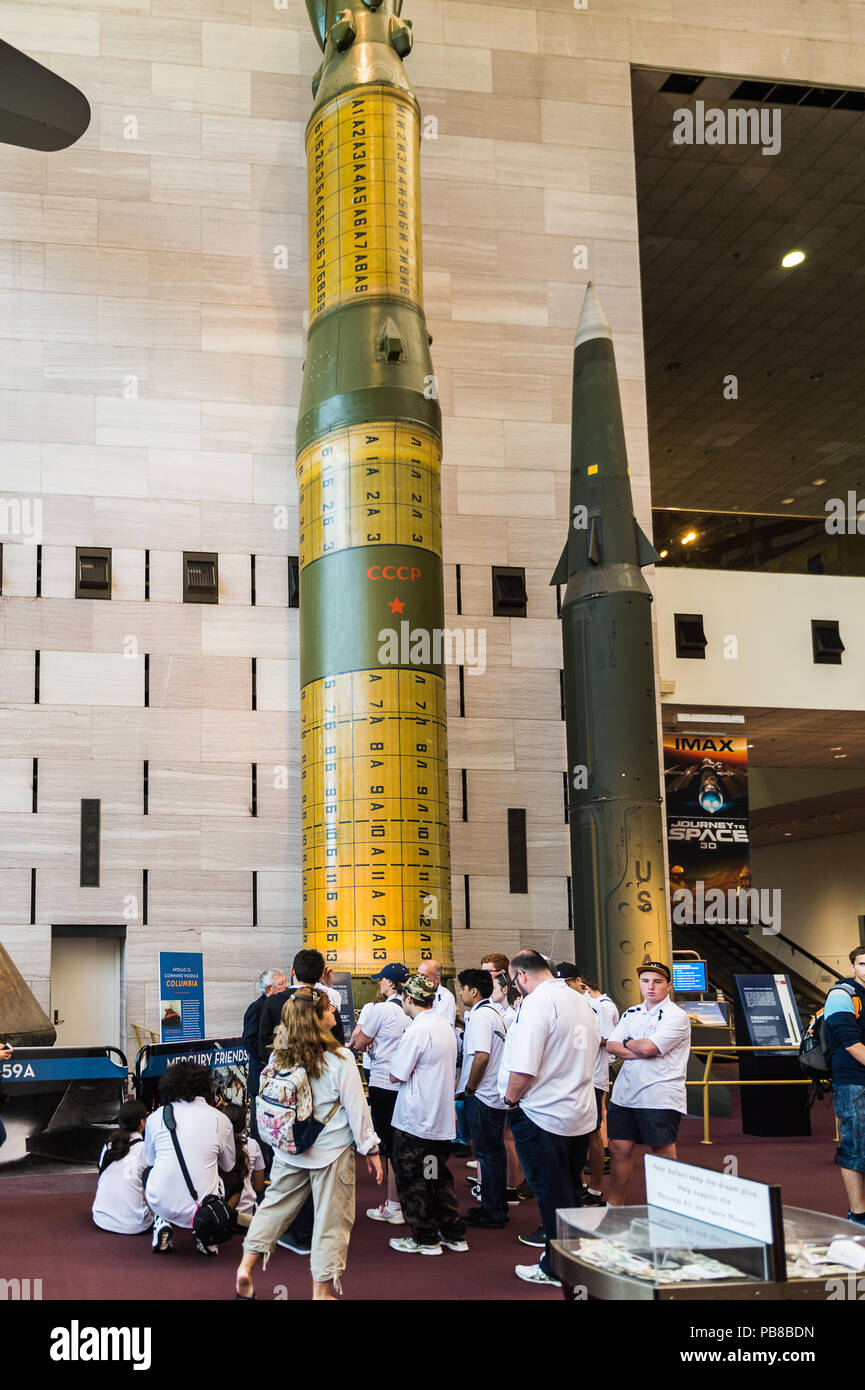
(36, 732)
(93, 472)
(19, 561)
(149, 423)
(47, 220)
(64, 781)
(278, 685)
(527, 695)
(155, 734)
(62, 902)
(193, 473)
(73, 173)
(166, 624)
(261, 530)
(540, 743)
(36, 841)
(31, 27)
(21, 465)
(248, 844)
(200, 900)
(235, 580)
(473, 844)
(489, 792)
(279, 784)
(536, 644)
(90, 369)
(253, 48)
(29, 947)
(257, 632)
(271, 581)
(149, 226)
(129, 842)
(62, 625)
(252, 330)
(177, 87)
(279, 898)
(254, 737)
(16, 781)
(542, 908)
(20, 369)
(199, 376)
(90, 678)
(152, 523)
(46, 416)
(195, 682)
(58, 571)
(259, 429)
(200, 789)
(274, 483)
(191, 276)
(152, 39)
(481, 743)
(149, 322)
(17, 677)
(48, 317)
(127, 575)
(149, 131)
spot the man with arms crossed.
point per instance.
(545, 1081)
(653, 1040)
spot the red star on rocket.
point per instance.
(396, 605)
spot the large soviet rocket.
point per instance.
(615, 805)
(374, 792)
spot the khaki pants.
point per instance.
(333, 1196)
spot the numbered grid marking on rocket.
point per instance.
(364, 227)
(375, 843)
(373, 484)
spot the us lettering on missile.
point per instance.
(614, 781)
(374, 785)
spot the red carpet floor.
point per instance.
(46, 1233)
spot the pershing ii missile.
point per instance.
(614, 780)
(374, 783)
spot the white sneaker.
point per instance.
(408, 1246)
(161, 1244)
(386, 1212)
(533, 1274)
(471, 1163)
(459, 1245)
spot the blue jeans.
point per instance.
(462, 1125)
(487, 1127)
(850, 1109)
(552, 1164)
(2, 1134)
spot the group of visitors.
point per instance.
(528, 1062)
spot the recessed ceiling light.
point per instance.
(688, 537)
(818, 482)
(710, 718)
(785, 501)
(663, 554)
(840, 755)
(750, 745)
(787, 834)
(816, 376)
(835, 747)
(793, 258)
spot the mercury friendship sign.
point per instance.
(374, 781)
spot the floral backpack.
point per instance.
(284, 1110)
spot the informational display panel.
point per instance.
(767, 1010)
(689, 976)
(734, 1204)
(181, 996)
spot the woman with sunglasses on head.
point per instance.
(327, 1168)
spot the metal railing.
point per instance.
(734, 1048)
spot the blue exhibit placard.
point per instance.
(181, 996)
(689, 976)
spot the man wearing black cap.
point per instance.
(653, 1041)
(379, 1030)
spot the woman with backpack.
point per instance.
(120, 1205)
(305, 1053)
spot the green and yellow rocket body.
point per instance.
(614, 780)
(374, 781)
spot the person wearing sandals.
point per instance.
(327, 1168)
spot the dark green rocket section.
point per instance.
(615, 804)
(349, 624)
(38, 109)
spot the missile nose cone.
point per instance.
(593, 321)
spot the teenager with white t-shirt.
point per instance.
(653, 1041)
(444, 1002)
(378, 1034)
(424, 1125)
(478, 1084)
(119, 1205)
(545, 1080)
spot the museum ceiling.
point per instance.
(715, 221)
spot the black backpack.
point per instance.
(815, 1052)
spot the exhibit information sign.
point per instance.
(719, 1199)
(689, 976)
(181, 995)
(768, 1010)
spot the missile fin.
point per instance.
(561, 572)
(646, 552)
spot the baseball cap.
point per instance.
(566, 971)
(418, 987)
(655, 965)
(397, 973)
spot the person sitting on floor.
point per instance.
(206, 1141)
(245, 1183)
(120, 1205)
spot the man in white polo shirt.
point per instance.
(653, 1041)
(424, 1126)
(545, 1080)
(444, 1002)
(484, 1108)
